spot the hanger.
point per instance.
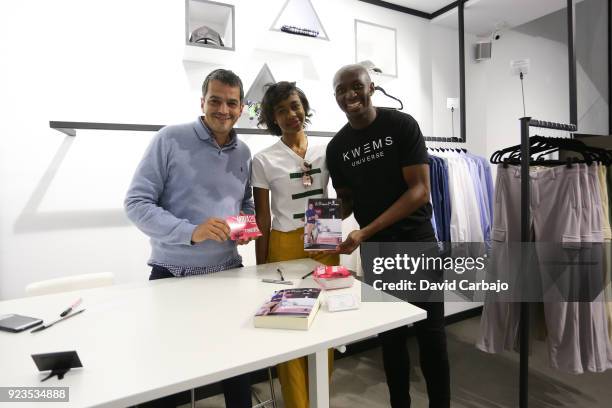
(541, 146)
(379, 88)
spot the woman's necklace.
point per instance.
(299, 150)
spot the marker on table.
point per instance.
(308, 274)
(71, 307)
(281, 274)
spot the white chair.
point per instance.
(69, 283)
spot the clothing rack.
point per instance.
(526, 124)
(443, 139)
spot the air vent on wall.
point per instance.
(483, 51)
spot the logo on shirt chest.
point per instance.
(367, 152)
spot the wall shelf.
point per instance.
(70, 128)
(376, 44)
(254, 96)
(301, 14)
(210, 29)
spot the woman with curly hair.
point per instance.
(286, 175)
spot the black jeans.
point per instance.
(431, 337)
(433, 357)
(236, 390)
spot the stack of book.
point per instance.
(289, 309)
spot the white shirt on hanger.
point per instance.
(465, 216)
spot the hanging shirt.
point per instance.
(485, 222)
(440, 198)
(465, 225)
(434, 197)
(486, 184)
(433, 223)
(446, 200)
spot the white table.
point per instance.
(142, 341)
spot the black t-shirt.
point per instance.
(369, 162)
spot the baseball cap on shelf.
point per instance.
(206, 35)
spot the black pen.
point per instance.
(46, 326)
(72, 307)
(281, 274)
(308, 274)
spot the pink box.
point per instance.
(333, 277)
(243, 227)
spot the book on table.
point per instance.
(289, 309)
(323, 224)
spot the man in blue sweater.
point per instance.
(190, 179)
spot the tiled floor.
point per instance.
(479, 380)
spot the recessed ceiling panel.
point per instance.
(482, 17)
(427, 6)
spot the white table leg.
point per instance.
(318, 379)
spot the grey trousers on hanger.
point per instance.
(566, 226)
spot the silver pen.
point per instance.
(282, 282)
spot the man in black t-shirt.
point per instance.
(379, 167)
(370, 162)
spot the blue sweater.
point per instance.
(183, 179)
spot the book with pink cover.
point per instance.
(243, 227)
(289, 309)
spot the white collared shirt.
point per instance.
(279, 169)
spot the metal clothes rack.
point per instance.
(443, 139)
(526, 124)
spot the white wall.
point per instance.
(546, 86)
(544, 42)
(592, 54)
(116, 61)
(444, 44)
(445, 80)
(476, 86)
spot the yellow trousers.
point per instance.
(293, 375)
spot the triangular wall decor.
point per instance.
(301, 15)
(254, 96)
(256, 90)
